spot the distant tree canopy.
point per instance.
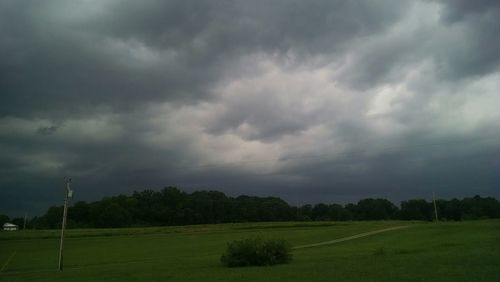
(171, 206)
(3, 219)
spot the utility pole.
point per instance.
(435, 208)
(68, 193)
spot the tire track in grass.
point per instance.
(361, 235)
(7, 261)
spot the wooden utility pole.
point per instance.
(68, 193)
(435, 207)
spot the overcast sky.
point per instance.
(330, 101)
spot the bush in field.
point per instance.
(256, 251)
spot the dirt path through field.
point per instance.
(349, 238)
(8, 261)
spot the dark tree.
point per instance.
(305, 212)
(338, 213)
(171, 206)
(113, 215)
(321, 212)
(3, 219)
(375, 209)
(416, 210)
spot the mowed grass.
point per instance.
(453, 251)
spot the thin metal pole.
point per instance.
(65, 213)
(435, 208)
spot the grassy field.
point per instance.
(455, 251)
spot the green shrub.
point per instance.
(255, 252)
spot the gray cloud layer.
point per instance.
(307, 100)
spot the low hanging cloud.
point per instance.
(307, 100)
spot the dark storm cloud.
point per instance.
(459, 10)
(475, 51)
(286, 98)
(68, 57)
(47, 130)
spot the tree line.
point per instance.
(171, 206)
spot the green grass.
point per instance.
(455, 251)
